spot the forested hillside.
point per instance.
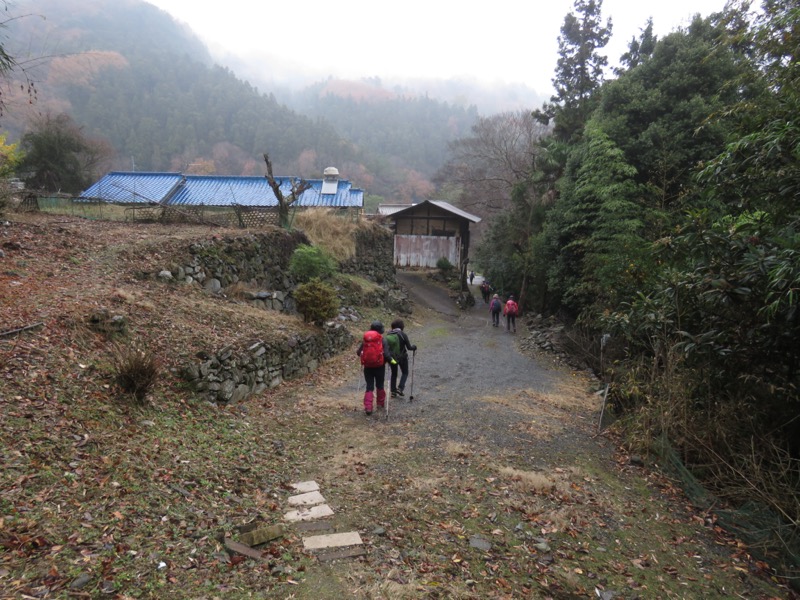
(657, 213)
(127, 73)
(145, 87)
(414, 130)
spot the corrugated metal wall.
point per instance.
(424, 250)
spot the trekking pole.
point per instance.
(411, 394)
(603, 409)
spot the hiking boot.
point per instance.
(394, 394)
(368, 412)
(399, 393)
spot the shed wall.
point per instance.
(424, 251)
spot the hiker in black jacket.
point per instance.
(400, 345)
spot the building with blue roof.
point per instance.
(213, 191)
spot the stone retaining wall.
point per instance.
(233, 374)
(261, 261)
(374, 257)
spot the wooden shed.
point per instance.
(430, 230)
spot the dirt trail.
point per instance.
(494, 483)
(473, 386)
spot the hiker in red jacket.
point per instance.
(375, 353)
(510, 310)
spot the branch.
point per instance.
(21, 329)
(276, 188)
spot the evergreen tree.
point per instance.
(596, 229)
(760, 167)
(59, 157)
(579, 70)
(639, 50)
(659, 113)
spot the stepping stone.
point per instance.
(261, 535)
(307, 499)
(332, 540)
(305, 486)
(242, 549)
(310, 526)
(340, 554)
(308, 514)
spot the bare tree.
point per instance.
(284, 204)
(498, 156)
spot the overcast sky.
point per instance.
(514, 41)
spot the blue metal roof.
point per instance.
(224, 191)
(141, 187)
(346, 196)
(207, 190)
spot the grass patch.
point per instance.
(329, 230)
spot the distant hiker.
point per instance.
(486, 290)
(374, 353)
(510, 310)
(496, 307)
(471, 277)
(399, 344)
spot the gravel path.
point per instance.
(472, 385)
(493, 483)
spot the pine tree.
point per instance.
(579, 70)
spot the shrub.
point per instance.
(136, 371)
(444, 265)
(309, 262)
(316, 301)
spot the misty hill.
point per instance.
(404, 128)
(130, 74)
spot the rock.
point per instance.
(236, 547)
(213, 285)
(636, 461)
(478, 542)
(165, 275)
(262, 535)
(80, 581)
(542, 547)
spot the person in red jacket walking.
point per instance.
(510, 310)
(375, 353)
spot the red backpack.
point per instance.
(511, 308)
(372, 350)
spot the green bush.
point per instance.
(444, 265)
(309, 262)
(316, 301)
(136, 371)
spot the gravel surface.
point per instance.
(473, 385)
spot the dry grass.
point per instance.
(534, 482)
(238, 290)
(329, 231)
(457, 449)
(427, 484)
